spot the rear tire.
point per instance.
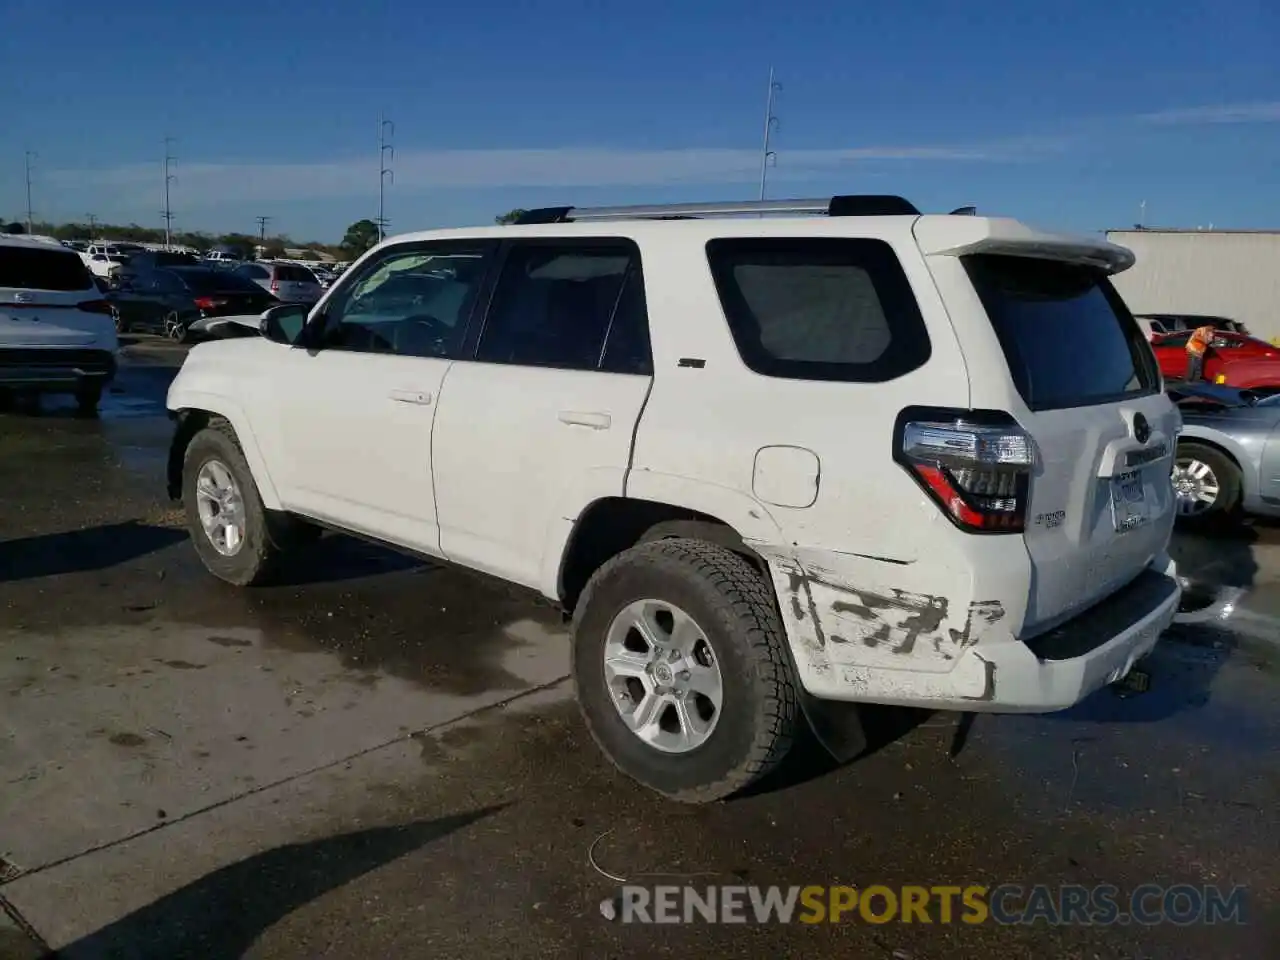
(730, 606)
(1201, 470)
(255, 559)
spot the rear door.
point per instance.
(539, 420)
(41, 292)
(1101, 504)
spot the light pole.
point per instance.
(31, 155)
(767, 155)
(262, 230)
(386, 154)
(93, 224)
(168, 179)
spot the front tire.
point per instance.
(681, 668)
(1206, 484)
(88, 396)
(225, 516)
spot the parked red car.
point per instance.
(1225, 350)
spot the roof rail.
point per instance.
(851, 205)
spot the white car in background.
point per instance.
(56, 331)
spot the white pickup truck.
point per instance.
(772, 462)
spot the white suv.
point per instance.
(56, 330)
(771, 463)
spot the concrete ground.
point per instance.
(381, 758)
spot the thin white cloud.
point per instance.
(208, 184)
(1222, 113)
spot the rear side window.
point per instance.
(818, 308)
(34, 269)
(1066, 334)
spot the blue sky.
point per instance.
(1065, 114)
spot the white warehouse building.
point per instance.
(1221, 273)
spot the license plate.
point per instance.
(1128, 501)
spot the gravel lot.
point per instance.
(381, 757)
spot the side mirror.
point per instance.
(283, 324)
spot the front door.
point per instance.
(538, 421)
(356, 400)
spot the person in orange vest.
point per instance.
(1197, 344)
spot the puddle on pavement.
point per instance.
(376, 611)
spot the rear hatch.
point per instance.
(294, 284)
(220, 293)
(48, 299)
(1100, 503)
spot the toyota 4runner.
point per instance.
(772, 456)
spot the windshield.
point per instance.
(1066, 334)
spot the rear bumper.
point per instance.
(913, 651)
(54, 368)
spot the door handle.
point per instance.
(596, 421)
(420, 397)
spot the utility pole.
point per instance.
(168, 179)
(767, 155)
(386, 153)
(31, 155)
(93, 224)
(262, 230)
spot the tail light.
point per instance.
(976, 465)
(275, 285)
(209, 303)
(94, 306)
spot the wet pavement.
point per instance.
(381, 757)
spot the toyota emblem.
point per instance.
(1141, 429)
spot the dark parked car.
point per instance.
(149, 260)
(169, 300)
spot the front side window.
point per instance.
(413, 302)
(555, 305)
(811, 308)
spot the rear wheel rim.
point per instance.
(1196, 486)
(220, 507)
(663, 676)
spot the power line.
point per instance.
(31, 155)
(262, 229)
(93, 223)
(767, 155)
(386, 154)
(168, 179)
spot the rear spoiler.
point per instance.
(961, 236)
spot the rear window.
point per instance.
(818, 308)
(38, 269)
(216, 281)
(288, 274)
(1066, 334)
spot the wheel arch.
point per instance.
(1228, 449)
(192, 416)
(608, 525)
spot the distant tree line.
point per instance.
(275, 245)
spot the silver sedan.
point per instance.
(1228, 457)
